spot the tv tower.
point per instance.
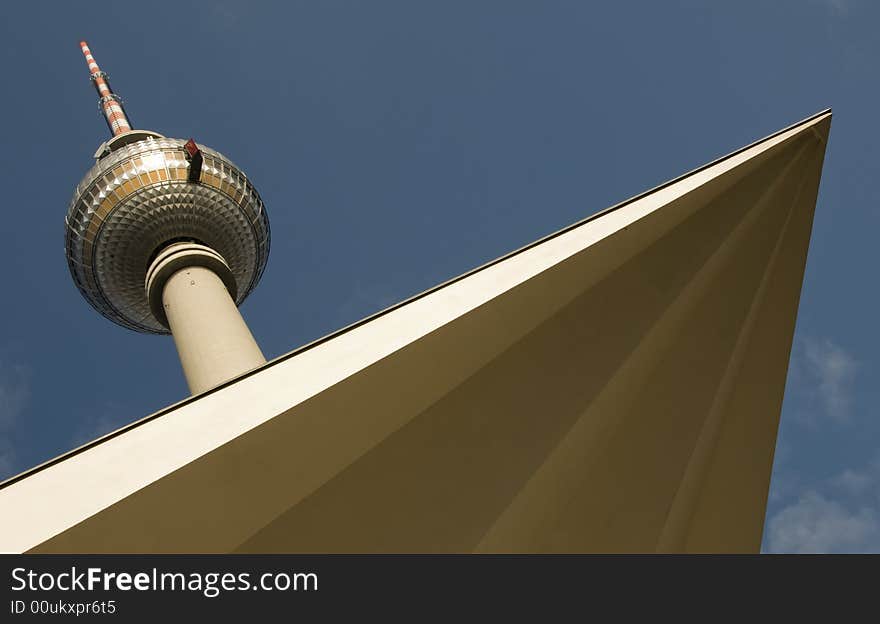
(169, 236)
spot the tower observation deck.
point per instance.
(166, 235)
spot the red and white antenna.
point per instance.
(110, 103)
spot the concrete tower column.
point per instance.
(192, 290)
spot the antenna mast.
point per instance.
(110, 103)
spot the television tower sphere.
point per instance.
(138, 199)
(168, 236)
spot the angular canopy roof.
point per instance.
(615, 386)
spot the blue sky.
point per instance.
(397, 144)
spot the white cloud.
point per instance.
(816, 524)
(840, 514)
(828, 372)
(853, 482)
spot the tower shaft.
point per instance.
(212, 339)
